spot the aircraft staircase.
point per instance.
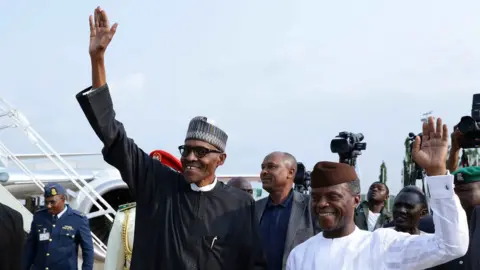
(12, 120)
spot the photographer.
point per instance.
(454, 155)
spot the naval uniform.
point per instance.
(178, 225)
(52, 243)
(120, 240)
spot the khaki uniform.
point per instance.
(120, 241)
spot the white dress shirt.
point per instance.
(387, 249)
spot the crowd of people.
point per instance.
(184, 218)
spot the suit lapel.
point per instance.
(365, 213)
(260, 207)
(298, 208)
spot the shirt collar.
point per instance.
(208, 187)
(284, 204)
(63, 211)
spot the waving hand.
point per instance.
(431, 151)
(100, 33)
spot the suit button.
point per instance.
(53, 225)
(50, 240)
(460, 262)
(48, 254)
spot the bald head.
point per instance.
(241, 183)
(288, 159)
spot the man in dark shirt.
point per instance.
(241, 183)
(285, 216)
(183, 221)
(12, 237)
(409, 207)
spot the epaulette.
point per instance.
(78, 213)
(127, 206)
(41, 210)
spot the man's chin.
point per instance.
(328, 227)
(192, 179)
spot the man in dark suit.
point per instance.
(12, 238)
(285, 216)
(241, 183)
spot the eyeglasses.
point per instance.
(198, 151)
(248, 190)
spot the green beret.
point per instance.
(467, 175)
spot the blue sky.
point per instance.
(275, 75)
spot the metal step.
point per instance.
(12, 120)
(9, 200)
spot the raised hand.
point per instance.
(431, 151)
(100, 33)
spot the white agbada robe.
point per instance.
(387, 249)
(115, 258)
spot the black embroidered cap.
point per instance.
(203, 129)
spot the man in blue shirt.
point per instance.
(285, 216)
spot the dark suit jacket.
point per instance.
(12, 238)
(301, 226)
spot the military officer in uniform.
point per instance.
(55, 234)
(120, 240)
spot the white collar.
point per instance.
(208, 187)
(63, 211)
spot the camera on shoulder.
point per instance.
(348, 146)
(302, 179)
(469, 126)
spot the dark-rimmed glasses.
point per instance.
(198, 151)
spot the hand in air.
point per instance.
(431, 151)
(100, 32)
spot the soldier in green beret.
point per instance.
(467, 188)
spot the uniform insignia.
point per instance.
(67, 228)
(127, 206)
(78, 213)
(53, 191)
(459, 177)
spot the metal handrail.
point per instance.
(20, 121)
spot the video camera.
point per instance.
(348, 146)
(469, 126)
(302, 179)
(418, 172)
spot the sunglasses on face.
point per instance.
(198, 151)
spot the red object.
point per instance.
(167, 159)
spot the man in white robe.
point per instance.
(120, 241)
(343, 246)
